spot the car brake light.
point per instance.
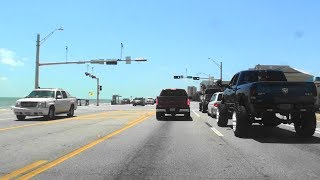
(215, 104)
(188, 102)
(157, 101)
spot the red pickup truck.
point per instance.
(172, 101)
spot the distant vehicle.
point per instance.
(213, 104)
(150, 101)
(138, 101)
(46, 102)
(263, 96)
(125, 101)
(203, 104)
(172, 101)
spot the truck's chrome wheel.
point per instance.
(234, 121)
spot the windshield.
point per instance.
(41, 94)
(176, 92)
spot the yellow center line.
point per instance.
(23, 170)
(82, 149)
(57, 121)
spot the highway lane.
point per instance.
(147, 148)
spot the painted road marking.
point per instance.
(23, 170)
(83, 148)
(292, 126)
(58, 121)
(7, 119)
(195, 113)
(216, 131)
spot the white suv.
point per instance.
(45, 102)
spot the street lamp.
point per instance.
(220, 66)
(209, 77)
(39, 42)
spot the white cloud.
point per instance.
(9, 57)
(3, 78)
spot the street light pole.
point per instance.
(39, 42)
(36, 83)
(220, 66)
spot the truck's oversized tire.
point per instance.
(240, 121)
(71, 111)
(51, 114)
(305, 125)
(21, 117)
(159, 115)
(222, 115)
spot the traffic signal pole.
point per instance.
(98, 91)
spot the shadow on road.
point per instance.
(44, 119)
(175, 118)
(279, 135)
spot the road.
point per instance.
(126, 142)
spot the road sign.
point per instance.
(128, 60)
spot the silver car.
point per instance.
(213, 104)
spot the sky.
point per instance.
(176, 38)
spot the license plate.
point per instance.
(172, 109)
(285, 106)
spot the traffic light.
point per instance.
(100, 87)
(189, 77)
(111, 62)
(196, 78)
(87, 74)
(176, 77)
(93, 77)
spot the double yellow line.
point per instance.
(55, 162)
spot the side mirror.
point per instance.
(59, 97)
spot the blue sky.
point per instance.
(172, 35)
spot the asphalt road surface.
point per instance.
(126, 142)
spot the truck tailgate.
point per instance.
(172, 101)
(285, 92)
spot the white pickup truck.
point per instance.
(46, 102)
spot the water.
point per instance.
(6, 102)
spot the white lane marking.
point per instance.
(216, 131)
(317, 129)
(195, 113)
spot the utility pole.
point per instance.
(36, 83)
(221, 72)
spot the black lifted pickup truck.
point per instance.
(172, 101)
(265, 97)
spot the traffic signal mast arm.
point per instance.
(96, 61)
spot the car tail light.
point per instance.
(215, 104)
(157, 101)
(188, 102)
